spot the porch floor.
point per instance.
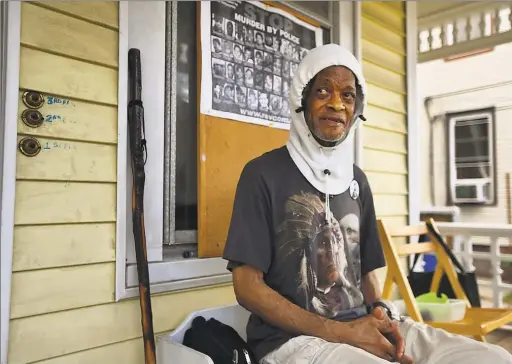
(502, 338)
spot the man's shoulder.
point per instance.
(359, 175)
(268, 161)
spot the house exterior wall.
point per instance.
(469, 83)
(385, 131)
(63, 306)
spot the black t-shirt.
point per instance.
(279, 227)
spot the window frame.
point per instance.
(170, 273)
(451, 171)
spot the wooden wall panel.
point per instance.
(64, 202)
(382, 36)
(387, 162)
(47, 246)
(386, 99)
(50, 290)
(385, 132)
(61, 76)
(72, 119)
(384, 14)
(126, 352)
(225, 147)
(383, 119)
(383, 57)
(390, 183)
(384, 140)
(383, 78)
(55, 32)
(65, 332)
(104, 13)
(66, 160)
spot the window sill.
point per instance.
(175, 273)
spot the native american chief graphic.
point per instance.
(326, 281)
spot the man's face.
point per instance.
(330, 104)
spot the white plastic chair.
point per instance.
(170, 348)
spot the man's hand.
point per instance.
(394, 337)
(368, 333)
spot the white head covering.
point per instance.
(311, 158)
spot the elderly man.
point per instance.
(303, 244)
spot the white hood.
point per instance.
(311, 158)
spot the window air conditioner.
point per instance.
(472, 191)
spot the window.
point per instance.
(472, 161)
(166, 35)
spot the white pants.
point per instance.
(425, 344)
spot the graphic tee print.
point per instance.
(324, 278)
(279, 227)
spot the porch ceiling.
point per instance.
(432, 8)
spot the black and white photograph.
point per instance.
(216, 45)
(240, 95)
(239, 74)
(250, 52)
(258, 59)
(238, 53)
(218, 68)
(230, 71)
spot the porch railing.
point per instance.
(470, 27)
(498, 239)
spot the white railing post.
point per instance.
(497, 294)
(468, 254)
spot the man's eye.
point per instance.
(322, 91)
(349, 95)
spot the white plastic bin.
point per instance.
(170, 349)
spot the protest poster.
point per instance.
(249, 53)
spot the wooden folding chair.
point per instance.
(477, 322)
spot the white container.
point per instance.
(170, 348)
(453, 310)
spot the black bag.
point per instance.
(219, 341)
(420, 281)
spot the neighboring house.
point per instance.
(468, 111)
(69, 282)
(466, 127)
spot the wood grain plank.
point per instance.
(383, 57)
(386, 205)
(387, 99)
(397, 6)
(384, 140)
(72, 119)
(387, 162)
(69, 161)
(384, 78)
(388, 183)
(49, 73)
(384, 37)
(126, 352)
(51, 290)
(222, 143)
(59, 33)
(102, 12)
(49, 246)
(66, 332)
(386, 15)
(385, 119)
(64, 202)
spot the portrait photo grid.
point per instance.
(253, 64)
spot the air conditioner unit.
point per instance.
(472, 191)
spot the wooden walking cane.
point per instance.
(138, 152)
